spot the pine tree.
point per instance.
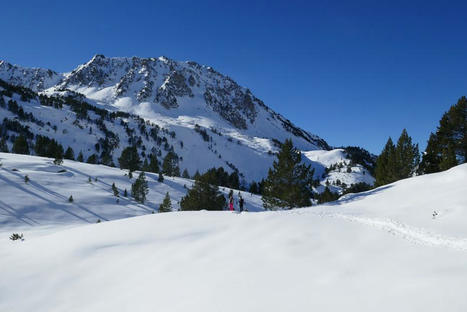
(20, 146)
(327, 196)
(145, 166)
(431, 157)
(385, 171)
(56, 150)
(448, 158)
(80, 157)
(139, 189)
(234, 180)
(129, 159)
(3, 146)
(407, 156)
(26, 179)
(261, 186)
(289, 182)
(203, 196)
(397, 162)
(185, 174)
(448, 146)
(160, 178)
(166, 205)
(106, 158)
(92, 159)
(153, 164)
(125, 193)
(47, 147)
(115, 190)
(70, 199)
(253, 188)
(69, 154)
(170, 165)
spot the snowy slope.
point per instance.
(376, 251)
(411, 202)
(343, 169)
(43, 201)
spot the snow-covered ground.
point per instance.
(376, 251)
(345, 171)
(43, 201)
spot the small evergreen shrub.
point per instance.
(58, 161)
(16, 236)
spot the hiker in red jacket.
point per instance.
(231, 200)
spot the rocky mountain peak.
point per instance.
(36, 79)
(168, 86)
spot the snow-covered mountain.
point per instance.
(205, 117)
(36, 79)
(382, 250)
(164, 86)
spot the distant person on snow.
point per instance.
(240, 202)
(231, 201)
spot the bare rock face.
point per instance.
(234, 106)
(164, 81)
(92, 74)
(175, 85)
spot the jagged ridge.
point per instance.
(163, 82)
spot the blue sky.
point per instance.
(353, 72)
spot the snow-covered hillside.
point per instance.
(43, 201)
(376, 251)
(212, 120)
(336, 170)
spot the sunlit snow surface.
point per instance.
(377, 251)
(322, 159)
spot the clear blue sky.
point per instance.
(353, 72)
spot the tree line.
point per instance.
(446, 148)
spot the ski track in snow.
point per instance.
(399, 229)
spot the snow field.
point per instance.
(375, 251)
(43, 201)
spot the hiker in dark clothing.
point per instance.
(240, 202)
